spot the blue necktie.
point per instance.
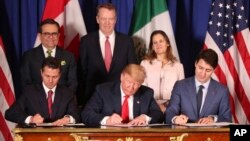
(199, 98)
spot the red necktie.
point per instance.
(125, 110)
(50, 93)
(108, 54)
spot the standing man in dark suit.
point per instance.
(32, 59)
(107, 105)
(200, 98)
(96, 67)
(47, 101)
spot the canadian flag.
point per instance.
(6, 96)
(68, 14)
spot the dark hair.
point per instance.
(151, 53)
(48, 21)
(209, 56)
(51, 62)
(108, 6)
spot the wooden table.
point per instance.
(159, 133)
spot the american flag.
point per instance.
(228, 34)
(69, 16)
(6, 96)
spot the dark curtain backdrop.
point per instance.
(20, 18)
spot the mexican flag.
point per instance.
(150, 15)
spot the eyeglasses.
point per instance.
(48, 34)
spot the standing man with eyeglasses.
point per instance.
(33, 58)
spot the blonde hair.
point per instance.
(135, 71)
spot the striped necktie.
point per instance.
(49, 52)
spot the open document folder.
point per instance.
(129, 125)
(207, 125)
(51, 125)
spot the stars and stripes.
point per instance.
(228, 34)
(6, 96)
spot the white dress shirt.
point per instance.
(102, 40)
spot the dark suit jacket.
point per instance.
(32, 63)
(34, 101)
(93, 68)
(107, 100)
(183, 101)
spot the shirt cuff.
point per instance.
(71, 119)
(215, 117)
(148, 119)
(173, 119)
(27, 120)
(104, 120)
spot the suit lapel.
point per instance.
(56, 103)
(115, 53)
(117, 98)
(136, 104)
(192, 95)
(43, 103)
(98, 51)
(58, 53)
(40, 52)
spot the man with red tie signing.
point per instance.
(125, 101)
(47, 101)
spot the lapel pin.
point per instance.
(138, 102)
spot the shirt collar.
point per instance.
(197, 83)
(102, 36)
(45, 51)
(47, 89)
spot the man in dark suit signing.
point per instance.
(124, 101)
(104, 53)
(33, 58)
(200, 98)
(47, 101)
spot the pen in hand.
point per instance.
(206, 120)
(181, 119)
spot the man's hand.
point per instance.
(181, 119)
(62, 121)
(206, 120)
(140, 120)
(114, 119)
(37, 119)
